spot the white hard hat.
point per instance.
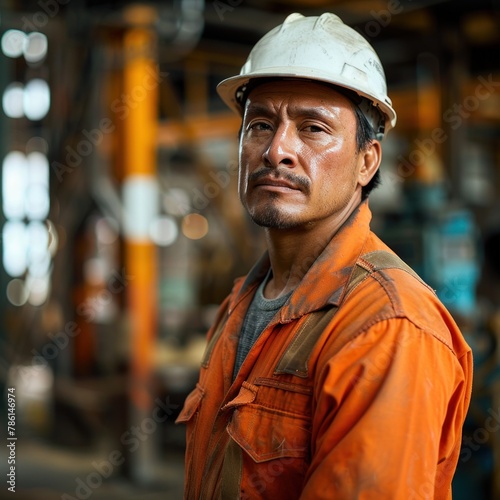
(316, 48)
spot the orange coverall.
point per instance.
(376, 414)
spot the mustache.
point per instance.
(277, 173)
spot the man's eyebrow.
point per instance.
(319, 113)
(258, 110)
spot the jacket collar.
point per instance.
(325, 281)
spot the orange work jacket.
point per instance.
(368, 406)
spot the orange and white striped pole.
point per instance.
(140, 199)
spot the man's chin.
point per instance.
(274, 219)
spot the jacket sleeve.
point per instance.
(388, 416)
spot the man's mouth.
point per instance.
(279, 183)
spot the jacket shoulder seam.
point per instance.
(398, 311)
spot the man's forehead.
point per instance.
(299, 93)
(307, 88)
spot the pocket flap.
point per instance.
(191, 404)
(267, 434)
(247, 394)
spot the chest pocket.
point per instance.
(270, 441)
(271, 420)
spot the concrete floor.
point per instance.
(65, 444)
(48, 472)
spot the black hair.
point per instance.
(365, 135)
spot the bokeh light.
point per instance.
(36, 99)
(13, 43)
(194, 226)
(164, 230)
(13, 100)
(35, 47)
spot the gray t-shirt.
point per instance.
(259, 314)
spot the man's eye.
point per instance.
(260, 126)
(313, 128)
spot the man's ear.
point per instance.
(369, 159)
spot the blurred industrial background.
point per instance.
(122, 230)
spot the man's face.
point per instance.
(298, 160)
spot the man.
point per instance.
(332, 370)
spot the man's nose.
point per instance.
(282, 149)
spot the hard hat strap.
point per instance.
(374, 117)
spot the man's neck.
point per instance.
(292, 252)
